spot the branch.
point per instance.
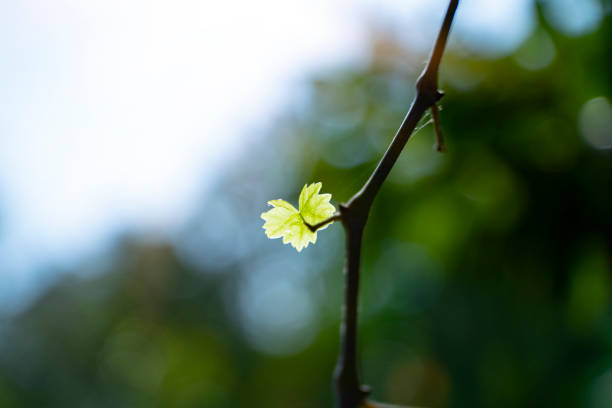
(429, 77)
(427, 96)
(336, 217)
(435, 109)
(354, 215)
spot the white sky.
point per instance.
(115, 113)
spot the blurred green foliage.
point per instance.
(487, 271)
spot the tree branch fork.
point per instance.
(354, 215)
(427, 97)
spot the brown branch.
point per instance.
(354, 215)
(336, 217)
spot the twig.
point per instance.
(354, 215)
(336, 217)
(440, 147)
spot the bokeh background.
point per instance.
(140, 142)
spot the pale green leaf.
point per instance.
(315, 207)
(285, 221)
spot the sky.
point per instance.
(117, 115)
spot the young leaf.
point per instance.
(285, 221)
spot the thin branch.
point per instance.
(427, 95)
(336, 217)
(429, 77)
(350, 392)
(440, 147)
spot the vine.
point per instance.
(299, 227)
